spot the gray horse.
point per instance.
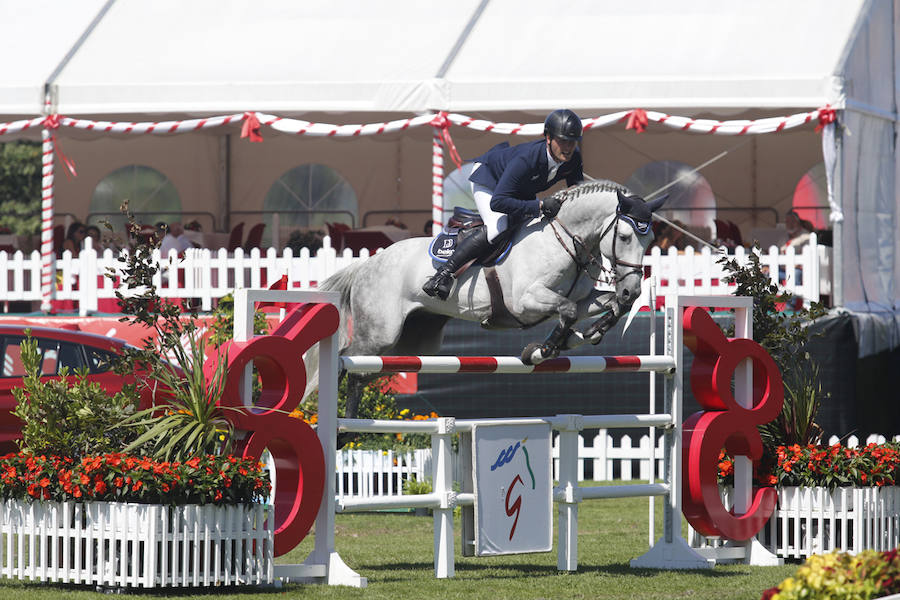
(550, 271)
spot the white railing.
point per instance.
(211, 274)
(369, 473)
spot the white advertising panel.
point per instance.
(513, 489)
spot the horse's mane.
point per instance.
(591, 187)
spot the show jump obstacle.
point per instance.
(494, 449)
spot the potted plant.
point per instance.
(107, 494)
(828, 496)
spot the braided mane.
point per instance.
(590, 187)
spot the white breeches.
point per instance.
(496, 222)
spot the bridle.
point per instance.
(578, 245)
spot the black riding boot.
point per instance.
(471, 247)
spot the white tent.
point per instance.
(212, 57)
(354, 61)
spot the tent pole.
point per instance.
(437, 181)
(48, 254)
(224, 186)
(837, 242)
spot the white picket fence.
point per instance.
(136, 545)
(816, 520)
(367, 473)
(211, 274)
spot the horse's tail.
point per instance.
(341, 281)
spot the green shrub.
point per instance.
(869, 574)
(374, 403)
(781, 326)
(71, 416)
(413, 486)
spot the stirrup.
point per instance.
(439, 285)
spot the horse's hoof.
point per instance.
(532, 354)
(548, 351)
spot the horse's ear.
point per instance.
(657, 203)
(625, 203)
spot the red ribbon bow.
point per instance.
(637, 120)
(52, 123)
(281, 284)
(250, 128)
(443, 123)
(827, 116)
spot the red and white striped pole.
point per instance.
(437, 181)
(505, 364)
(48, 257)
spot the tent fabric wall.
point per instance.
(867, 179)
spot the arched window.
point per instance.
(151, 197)
(811, 197)
(310, 196)
(691, 199)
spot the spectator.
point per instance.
(395, 223)
(669, 236)
(75, 237)
(173, 239)
(798, 230)
(93, 232)
(194, 233)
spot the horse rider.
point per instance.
(505, 183)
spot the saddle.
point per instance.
(462, 223)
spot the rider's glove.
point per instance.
(550, 206)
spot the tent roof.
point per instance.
(37, 34)
(287, 57)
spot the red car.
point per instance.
(58, 348)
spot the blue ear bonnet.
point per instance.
(641, 227)
(637, 212)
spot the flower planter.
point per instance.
(815, 520)
(136, 545)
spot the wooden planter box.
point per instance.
(136, 545)
(815, 520)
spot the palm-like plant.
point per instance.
(189, 422)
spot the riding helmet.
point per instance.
(563, 124)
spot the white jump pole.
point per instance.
(651, 472)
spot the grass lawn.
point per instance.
(395, 552)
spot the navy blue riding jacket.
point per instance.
(517, 173)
